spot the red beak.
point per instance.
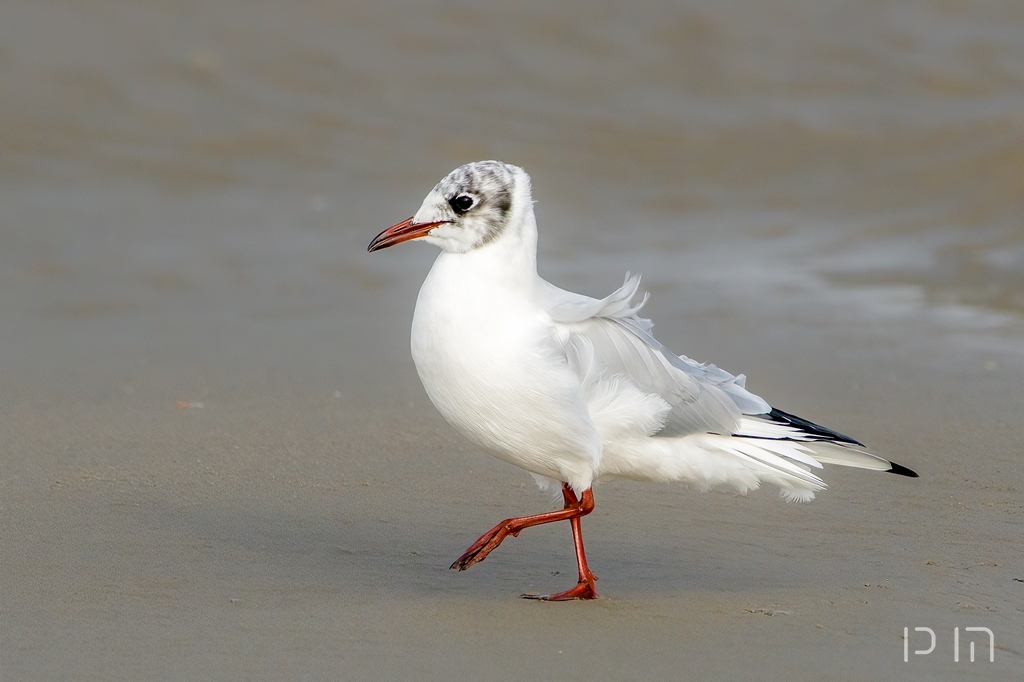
(402, 232)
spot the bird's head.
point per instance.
(471, 207)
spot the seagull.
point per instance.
(575, 389)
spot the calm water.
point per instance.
(817, 159)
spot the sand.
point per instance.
(270, 496)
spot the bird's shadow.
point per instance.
(406, 552)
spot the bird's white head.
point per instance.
(474, 205)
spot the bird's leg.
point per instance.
(585, 586)
(574, 508)
(577, 534)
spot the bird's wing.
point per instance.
(703, 398)
(606, 342)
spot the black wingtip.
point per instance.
(810, 428)
(902, 471)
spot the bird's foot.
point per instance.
(487, 542)
(584, 590)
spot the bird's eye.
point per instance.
(461, 203)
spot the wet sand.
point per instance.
(216, 461)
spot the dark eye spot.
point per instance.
(461, 203)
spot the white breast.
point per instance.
(488, 359)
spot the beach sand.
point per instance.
(269, 495)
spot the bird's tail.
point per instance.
(786, 454)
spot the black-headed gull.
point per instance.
(575, 389)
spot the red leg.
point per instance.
(585, 585)
(577, 533)
(572, 511)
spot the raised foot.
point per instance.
(583, 590)
(487, 542)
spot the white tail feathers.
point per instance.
(846, 456)
(737, 462)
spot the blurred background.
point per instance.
(170, 165)
(216, 461)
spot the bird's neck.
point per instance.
(508, 261)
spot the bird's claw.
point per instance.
(464, 562)
(479, 550)
(583, 590)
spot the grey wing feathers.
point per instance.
(703, 398)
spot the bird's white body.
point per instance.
(574, 389)
(488, 356)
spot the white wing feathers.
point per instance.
(703, 398)
(702, 419)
